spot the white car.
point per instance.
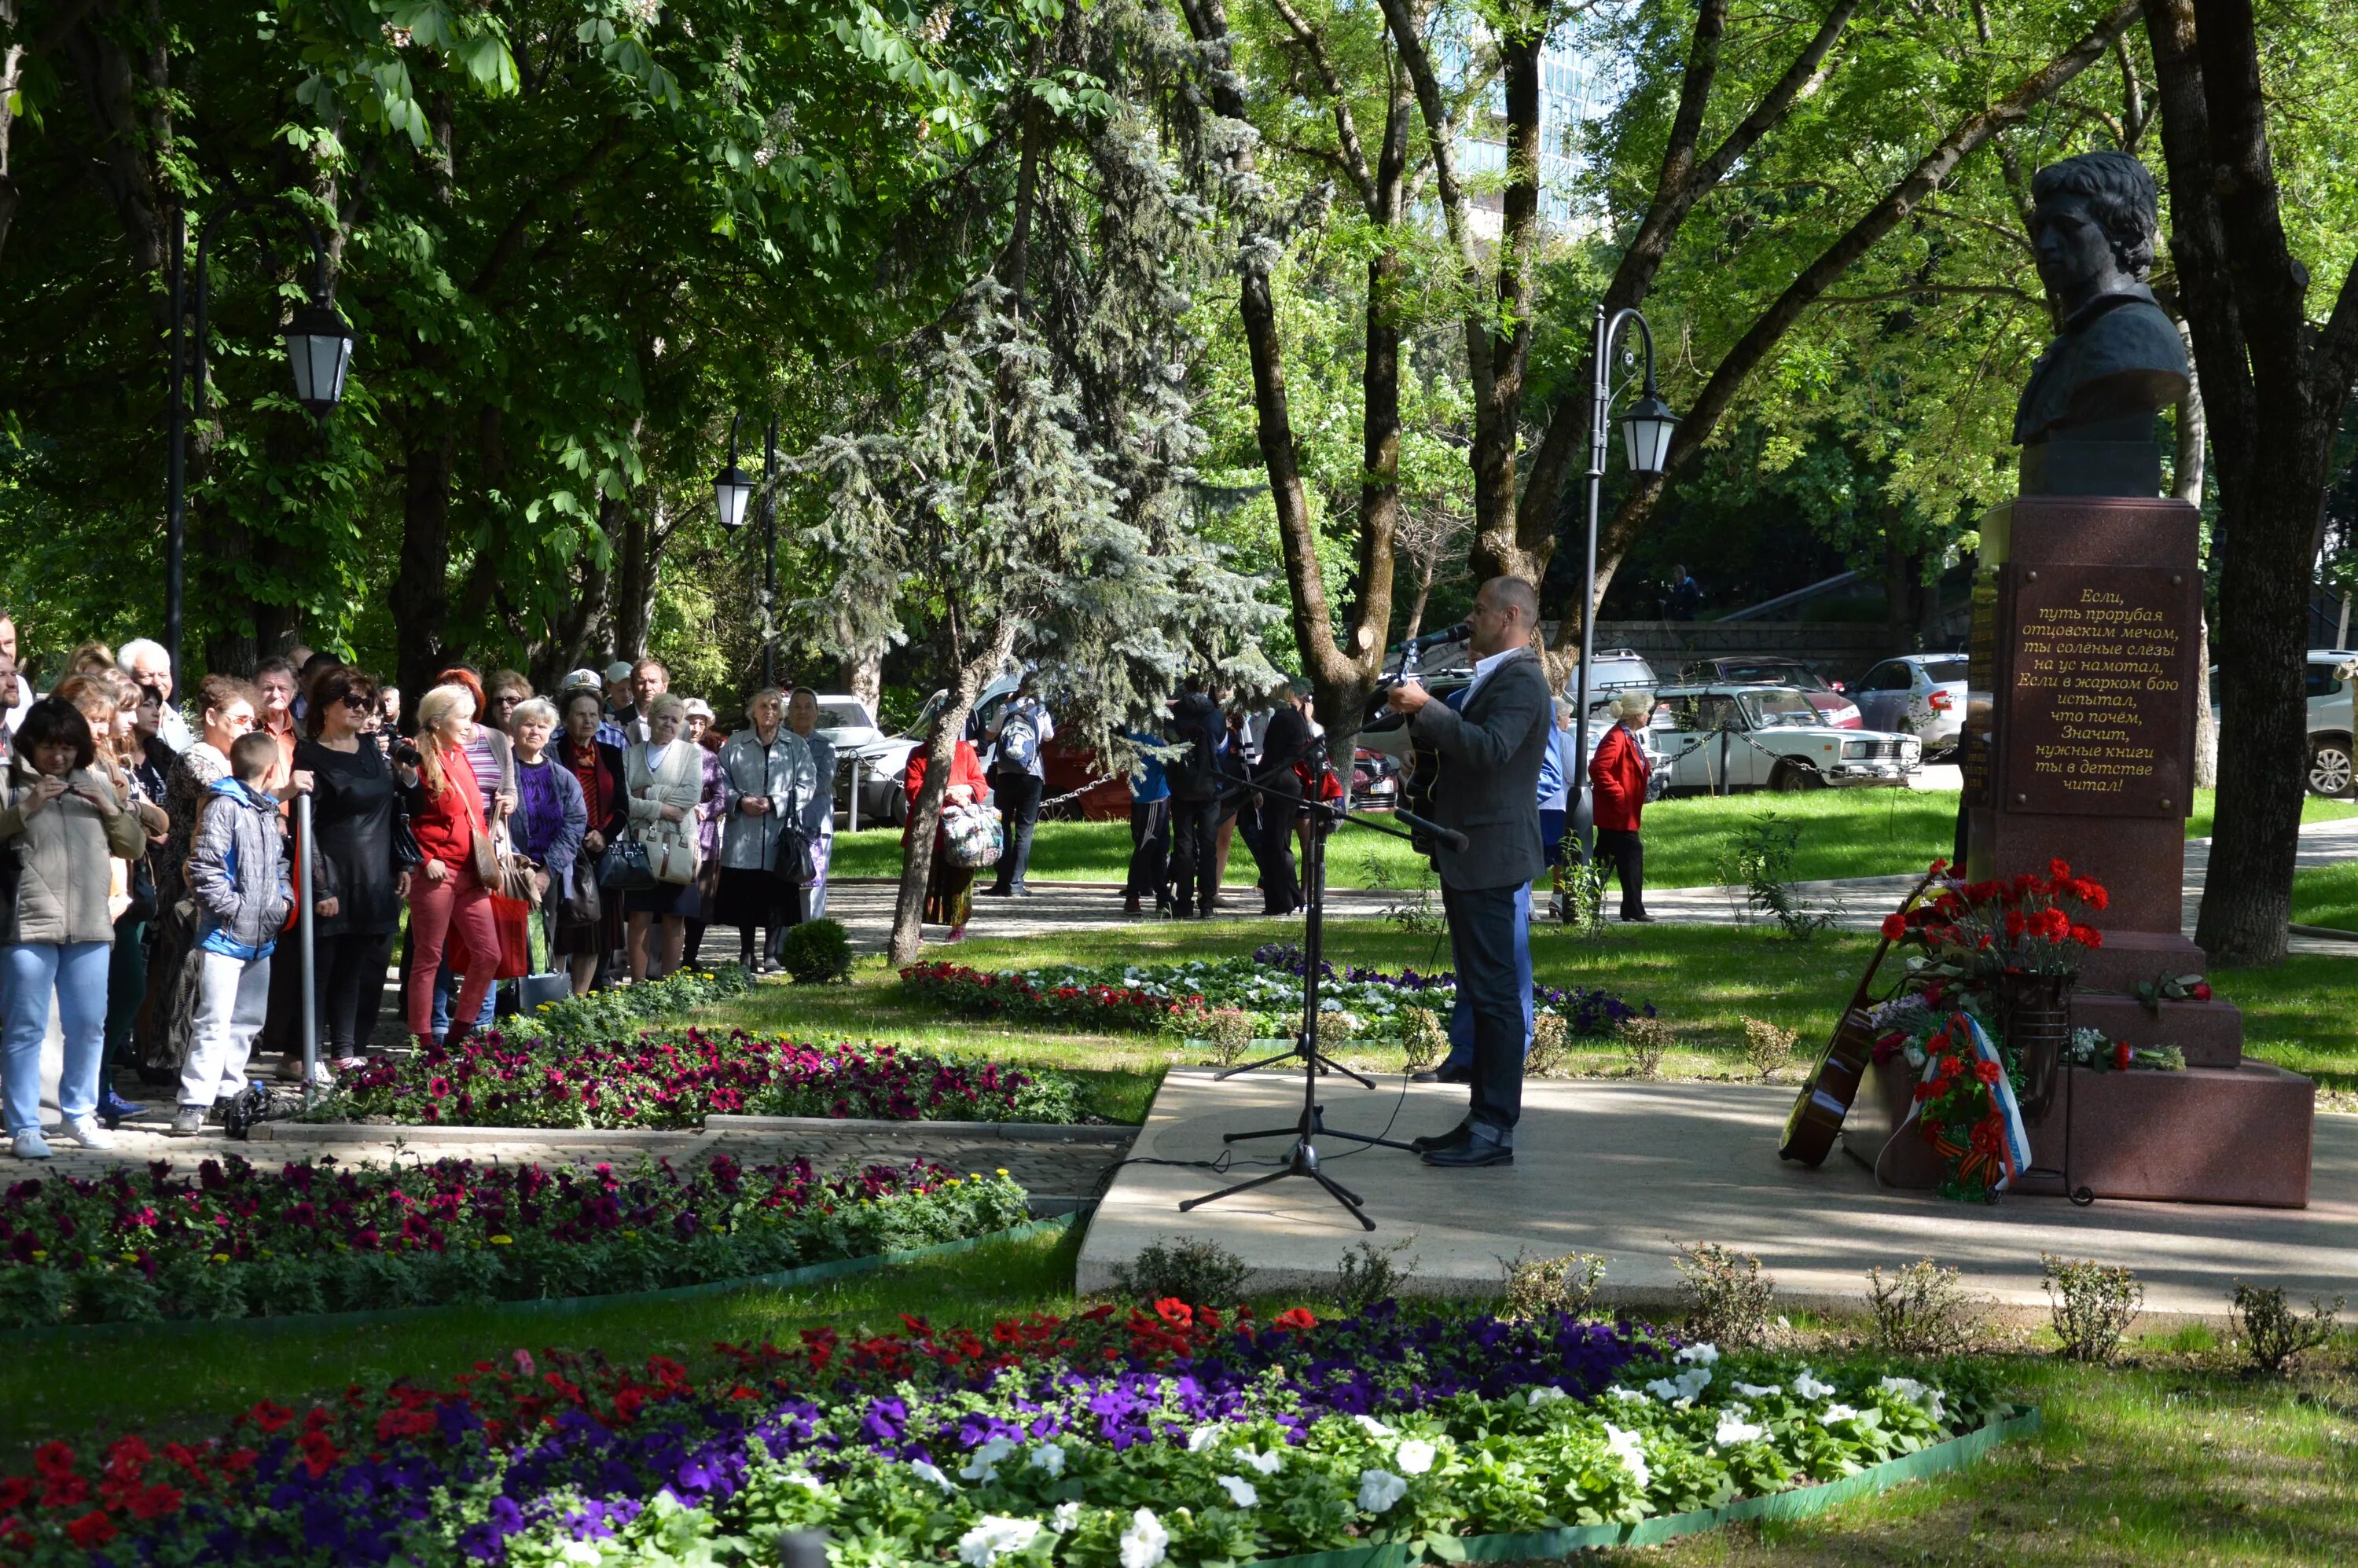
(1918, 694)
(1717, 739)
(852, 730)
(2330, 721)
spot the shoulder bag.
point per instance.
(973, 834)
(626, 867)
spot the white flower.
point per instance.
(1704, 1355)
(1372, 1427)
(805, 1480)
(1266, 1464)
(1049, 1457)
(1145, 1541)
(1662, 1388)
(1732, 1431)
(1625, 1448)
(1414, 1457)
(579, 1554)
(1066, 1516)
(994, 1536)
(1204, 1436)
(1808, 1387)
(1758, 1390)
(1617, 1392)
(1687, 1386)
(931, 1473)
(1832, 1413)
(1927, 1399)
(1378, 1490)
(1548, 1393)
(1241, 1492)
(984, 1465)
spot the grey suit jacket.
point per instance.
(1490, 756)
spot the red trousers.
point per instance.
(460, 900)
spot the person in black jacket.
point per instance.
(1278, 800)
(1195, 788)
(361, 876)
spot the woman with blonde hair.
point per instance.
(663, 777)
(110, 705)
(445, 819)
(769, 779)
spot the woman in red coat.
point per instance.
(950, 888)
(1617, 773)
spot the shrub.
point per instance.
(1199, 1272)
(1923, 1310)
(1423, 1038)
(817, 952)
(619, 1012)
(1230, 1031)
(1648, 1039)
(1336, 1030)
(1581, 892)
(1543, 1287)
(2092, 1304)
(1729, 1298)
(2271, 1333)
(1762, 861)
(1767, 1047)
(1548, 1038)
(1367, 1275)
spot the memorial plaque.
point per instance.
(2098, 712)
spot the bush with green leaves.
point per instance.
(1186, 1268)
(817, 952)
(1728, 1300)
(1923, 1310)
(1543, 1287)
(1368, 1274)
(2271, 1333)
(2092, 1303)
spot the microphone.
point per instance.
(1458, 634)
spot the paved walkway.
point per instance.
(1626, 1170)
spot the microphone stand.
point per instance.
(1302, 1159)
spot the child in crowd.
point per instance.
(237, 872)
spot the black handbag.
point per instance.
(626, 867)
(791, 861)
(581, 905)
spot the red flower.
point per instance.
(1988, 1072)
(1895, 926)
(320, 1451)
(1174, 1312)
(92, 1530)
(2200, 990)
(2059, 870)
(269, 1417)
(155, 1501)
(2121, 1055)
(1939, 866)
(1297, 1318)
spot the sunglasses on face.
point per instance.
(355, 701)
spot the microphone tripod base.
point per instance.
(1318, 1129)
(1302, 1161)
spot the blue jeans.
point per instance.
(76, 972)
(1461, 1012)
(445, 983)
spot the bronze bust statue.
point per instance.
(2085, 420)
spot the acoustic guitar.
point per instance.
(1816, 1119)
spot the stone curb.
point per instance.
(627, 1136)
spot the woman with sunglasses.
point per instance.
(361, 877)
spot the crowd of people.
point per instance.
(149, 860)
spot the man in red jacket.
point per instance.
(1618, 774)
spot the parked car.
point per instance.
(1386, 733)
(1922, 695)
(1374, 780)
(1827, 696)
(882, 760)
(2329, 686)
(1723, 738)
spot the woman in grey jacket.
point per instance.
(770, 780)
(62, 824)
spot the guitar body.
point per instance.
(1816, 1119)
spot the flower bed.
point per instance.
(621, 1010)
(1106, 1439)
(1267, 987)
(239, 1241)
(676, 1078)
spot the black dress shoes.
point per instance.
(1442, 1075)
(1457, 1137)
(1470, 1155)
(1640, 918)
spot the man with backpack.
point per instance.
(1017, 778)
(1194, 776)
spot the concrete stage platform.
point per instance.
(1624, 1168)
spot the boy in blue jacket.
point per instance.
(237, 872)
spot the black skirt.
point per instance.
(751, 898)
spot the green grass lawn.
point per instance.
(2172, 1458)
(2328, 896)
(1703, 979)
(1844, 833)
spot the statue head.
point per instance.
(2094, 221)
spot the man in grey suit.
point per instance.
(1491, 747)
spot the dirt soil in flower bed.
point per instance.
(674, 1079)
(1137, 1437)
(236, 1239)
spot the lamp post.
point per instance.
(319, 352)
(730, 489)
(1646, 439)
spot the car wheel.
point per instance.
(1791, 778)
(896, 808)
(2328, 765)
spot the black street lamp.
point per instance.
(1646, 433)
(319, 351)
(732, 487)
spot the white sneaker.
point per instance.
(86, 1131)
(29, 1144)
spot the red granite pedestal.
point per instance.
(2079, 746)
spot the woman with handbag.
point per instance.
(663, 778)
(767, 778)
(590, 919)
(363, 867)
(110, 706)
(550, 819)
(494, 759)
(450, 889)
(949, 886)
(696, 904)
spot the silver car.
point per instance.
(2329, 684)
(1921, 695)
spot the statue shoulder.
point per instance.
(2136, 334)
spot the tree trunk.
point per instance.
(1423, 596)
(2186, 484)
(635, 579)
(863, 677)
(421, 585)
(926, 813)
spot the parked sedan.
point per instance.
(1719, 740)
(1834, 705)
(1921, 695)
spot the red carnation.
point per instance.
(1895, 926)
(2121, 1055)
(1987, 1072)
(2200, 990)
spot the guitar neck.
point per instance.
(1866, 982)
